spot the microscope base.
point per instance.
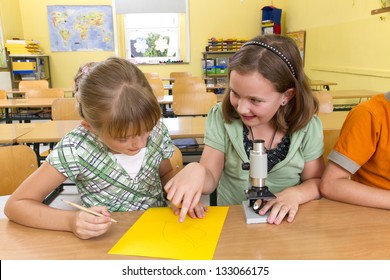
(252, 217)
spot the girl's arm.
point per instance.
(25, 207)
(337, 185)
(287, 201)
(185, 189)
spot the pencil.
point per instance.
(86, 209)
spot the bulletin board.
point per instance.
(299, 37)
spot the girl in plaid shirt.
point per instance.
(118, 157)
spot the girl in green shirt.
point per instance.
(268, 98)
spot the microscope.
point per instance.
(257, 193)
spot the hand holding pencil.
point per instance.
(82, 208)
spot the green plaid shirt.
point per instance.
(100, 180)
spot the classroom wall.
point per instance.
(63, 65)
(235, 19)
(344, 42)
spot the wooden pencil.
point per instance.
(86, 209)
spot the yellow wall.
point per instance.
(63, 64)
(235, 19)
(10, 19)
(344, 42)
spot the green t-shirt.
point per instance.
(306, 144)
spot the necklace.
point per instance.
(271, 141)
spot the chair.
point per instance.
(194, 103)
(176, 160)
(17, 163)
(44, 93)
(3, 95)
(183, 86)
(65, 109)
(325, 101)
(157, 86)
(174, 75)
(24, 85)
(330, 139)
(152, 75)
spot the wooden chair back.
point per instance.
(65, 109)
(174, 75)
(325, 101)
(3, 94)
(188, 87)
(24, 85)
(157, 86)
(330, 139)
(45, 93)
(189, 79)
(152, 75)
(17, 163)
(196, 103)
(176, 160)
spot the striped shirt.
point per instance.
(101, 180)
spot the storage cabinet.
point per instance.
(271, 20)
(29, 67)
(215, 69)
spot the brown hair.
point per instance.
(253, 57)
(114, 96)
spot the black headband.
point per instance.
(275, 51)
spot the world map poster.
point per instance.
(80, 28)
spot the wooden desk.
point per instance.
(185, 127)
(322, 84)
(322, 230)
(11, 131)
(353, 93)
(9, 104)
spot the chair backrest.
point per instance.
(188, 87)
(157, 86)
(196, 103)
(17, 163)
(44, 93)
(3, 94)
(189, 79)
(330, 139)
(65, 109)
(174, 75)
(23, 85)
(152, 75)
(325, 100)
(176, 160)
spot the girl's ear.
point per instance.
(289, 94)
(87, 126)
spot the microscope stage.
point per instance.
(251, 216)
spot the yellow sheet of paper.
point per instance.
(158, 233)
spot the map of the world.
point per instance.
(80, 28)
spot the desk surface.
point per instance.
(180, 127)
(53, 131)
(165, 99)
(322, 230)
(10, 132)
(353, 93)
(26, 102)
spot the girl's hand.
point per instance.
(86, 225)
(199, 211)
(285, 204)
(184, 190)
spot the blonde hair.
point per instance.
(284, 68)
(114, 97)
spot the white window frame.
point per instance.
(155, 33)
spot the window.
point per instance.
(152, 38)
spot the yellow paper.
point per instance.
(158, 233)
